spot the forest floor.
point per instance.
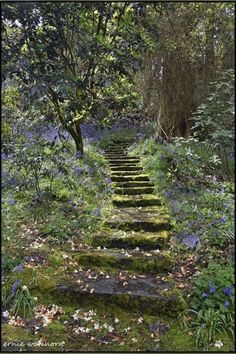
(110, 277)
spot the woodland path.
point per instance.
(135, 241)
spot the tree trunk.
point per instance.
(77, 137)
(176, 96)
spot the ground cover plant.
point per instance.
(118, 177)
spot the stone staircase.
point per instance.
(130, 254)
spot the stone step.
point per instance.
(134, 190)
(126, 168)
(136, 200)
(127, 160)
(130, 178)
(132, 184)
(143, 293)
(140, 261)
(146, 219)
(125, 173)
(116, 150)
(130, 240)
(121, 157)
(123, 163)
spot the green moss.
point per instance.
(177, 340)
(133, 190)
(109, 238)
(95, 259)
(15, 338)
(157, 263)
(133, 200)
(140, 177)
(56, 258)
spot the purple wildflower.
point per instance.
(223, 219)
(78, 155)
(27, 258)
(15, 286)
(227, 290)
(204, 294)
(226, 303)
(19, 268)
(11, 201)
(212, 288)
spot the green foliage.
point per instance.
(21, 301)
(206, 324)
(214, 119)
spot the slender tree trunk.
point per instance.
(176, 96)
(77, 137)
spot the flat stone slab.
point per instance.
(132, 184)
(131, 240)
(125, 173)
(126, 168)
(136, 200)
(130, 178)
(140, 292)
(123, 161)
(134, 190)
(120, 157)
(142, 261)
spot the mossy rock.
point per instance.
(138, 262)
(169, 303)
(126, 168)
(137, 184)
(136, 201)
(134, 190)
(119, 239)
(139, 177)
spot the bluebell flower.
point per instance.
(27, 258)
(212, 288)
(11, 201)
(78, 155)
(223, 219)
(226, 303)
(204, 294)
(108, 180)
(161, 157)
(19, 268)
(167, 194)
(15, 286)
(227, 290)
(96, 212)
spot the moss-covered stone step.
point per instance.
(125, 173)
(123, 165)
(116, 150)
(130, 240)
(123, 161)
(134, 260)
(129, 178)
(132, 184)
(136, 200)
(143, 293)
(135, 219)
(121, 157)
(126, 169)
(134, 190)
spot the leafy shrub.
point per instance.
(214, 288)
(214, 119)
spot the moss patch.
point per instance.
(133, 200)
(144, 240)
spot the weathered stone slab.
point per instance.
(129, 178)
(130, 240)
(143, 293)
(133, 190)
(136, 200)
(126, 169)
(152, 262)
